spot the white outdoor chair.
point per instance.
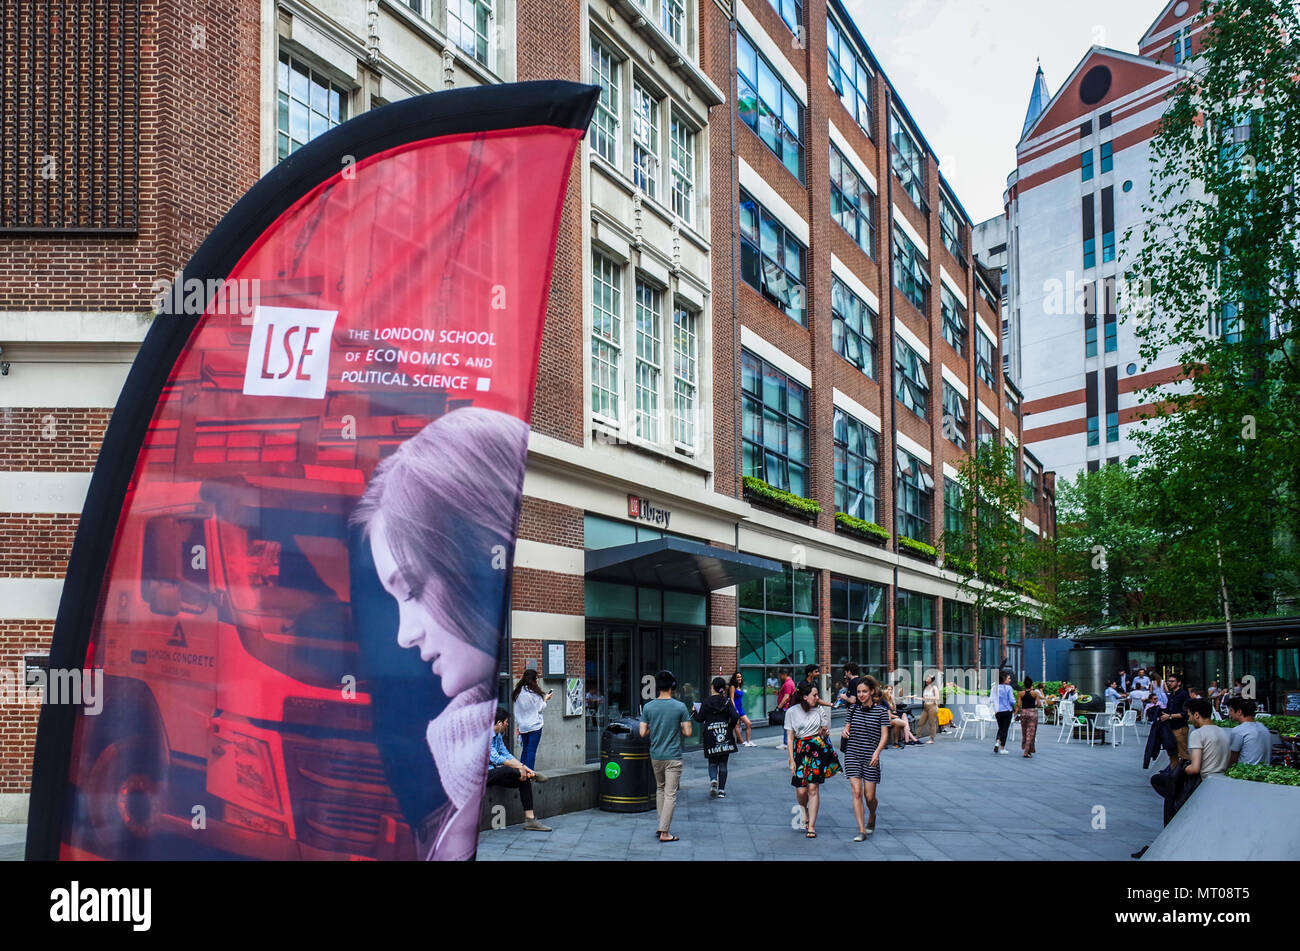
(1065, 716)
(1110, 708)
(967, 718)
(1118, 724)
(984, 714)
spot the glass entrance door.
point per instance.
(612, 684)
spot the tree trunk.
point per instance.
(1227, 613)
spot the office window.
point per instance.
(954, 509)
(469, 25)
(914, 629)
(958, 636)
(1089, 232)
(685, 376)
(645, 140)
(853, 328)
(672, 17)
(1090, 320)
(1104, 120)
(606, 337)
(985, 432)
(1031, 484)
(1107, 157)
(954, 409)
(775, 425)
(1013, 404)
(913, 489)
(908, 162)
(604, 129)
(911, 271)
(771, 259)
(649, 360)
(954, 319)
(911, 378)
(308, 104)
(1090, 396)
(984, 360)
(1182, 43)
(849, 74)
(683, 169)
(1109, 307)
(1086, 163)
(1108, 223)
(857, 454)
(951, 229)
(853, 204)
(1085, 128)
(1093, 465)
(769, 106)
(791, 12)
(859, 620)
(1112, 404)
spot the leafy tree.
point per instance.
(997, 564)
(1219, 272)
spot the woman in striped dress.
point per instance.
(866, 731)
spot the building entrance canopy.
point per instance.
(676, 563)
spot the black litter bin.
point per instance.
(627, 781)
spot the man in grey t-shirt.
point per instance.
(666, 721)
(1250, 742)
(1207, 744)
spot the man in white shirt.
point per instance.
(1142, 681)
(1208, 745)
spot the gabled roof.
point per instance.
(1066, 104)
(1039, 97)
(1167, 18)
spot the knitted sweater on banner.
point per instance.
(459, 738)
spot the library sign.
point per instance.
(644, 510)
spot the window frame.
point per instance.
(913, 490)
(918, 386)
(611, 93)
(853, 207)
(909, 262)
(489, 50)
(285, 61)
(777, 113)
(613, 342)
(949, 219)
(984, 361)
(912, 160)
(836, 70)
(643, 146)
(951, 325)
(844, 425)
(785, 241)
(963, 420)
(682, 173)
(842, 332)
(755, 367)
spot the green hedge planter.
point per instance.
(756, 490)
(867, 531)
(1277, 775)
(910, 546)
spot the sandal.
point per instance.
(671, 838)
(810, 835)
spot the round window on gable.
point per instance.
(1095, 85)
(1131, 369)
(1128, 185)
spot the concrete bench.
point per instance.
(568, 789)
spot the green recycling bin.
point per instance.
(627, 781)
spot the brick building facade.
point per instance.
(719, 253)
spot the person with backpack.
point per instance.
(718, 714)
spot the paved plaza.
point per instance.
(952, 800)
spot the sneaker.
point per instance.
(722, 794)
(713, 789)
(1003, 750)
(995, 747)
(540, 777)
(749, 743)
(532, 825)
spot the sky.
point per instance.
(965, 69)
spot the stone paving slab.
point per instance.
(954, 800)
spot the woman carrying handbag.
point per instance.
(718, 714)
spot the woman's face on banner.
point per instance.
(459, 664)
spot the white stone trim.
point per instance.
(1010, 436)
(915, 448)
(767, 196)
(775, 356)
(722, 635)
(1031, 525)
(984, 329)
(859, 166)
(854, 283)
(34, 599)
(950, 471)
(912, 339)
(855, 409)
(768, 47)
(542, 556)
(954, 381)
(539, 626)
(901, 220)
(952, 286)
(35, 493)
(987, 413)
(74, 326)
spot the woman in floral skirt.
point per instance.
(812, 758)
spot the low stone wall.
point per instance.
(1232, 819)
(567, 789)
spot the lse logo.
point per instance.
(633, 507)
(289, 354)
